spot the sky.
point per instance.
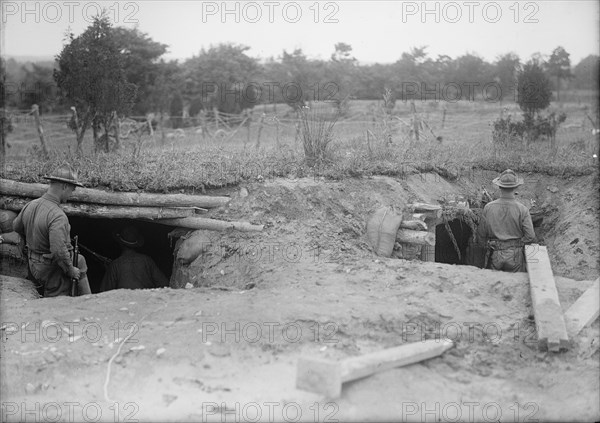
(378, 31)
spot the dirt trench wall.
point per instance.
(315, 220)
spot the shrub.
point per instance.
(316, 134)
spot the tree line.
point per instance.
(108, 72)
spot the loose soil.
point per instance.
(226, 350)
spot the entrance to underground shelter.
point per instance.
(97, 235)
(471, 253)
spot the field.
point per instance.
(359, 146)
(310, 284)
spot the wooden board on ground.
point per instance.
(326, 377)
(549, 319)
(584, 311)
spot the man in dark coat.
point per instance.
(132, 269)
(48, 238)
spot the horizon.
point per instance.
(386, 29)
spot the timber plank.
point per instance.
(549, 319)
(584, 311)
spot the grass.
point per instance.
(193, 164)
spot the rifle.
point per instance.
(75, 281)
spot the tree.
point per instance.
(220, 77)
(5, 120)
(505, 73)
(533, 89)
(585, 74)
(471, 73)
(176, 111)
(343, 73)
(559, 66)
(91, 77)
(141, 63)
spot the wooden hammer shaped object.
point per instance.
(326, 377)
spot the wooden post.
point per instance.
(162, 128)
(216, 113)
(415, 120)
(260, 127)
(277, 133)
(117, 130)
(549, 319)
(248, 125)
(36, 114)
(444, 117)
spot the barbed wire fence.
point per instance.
(283, 129)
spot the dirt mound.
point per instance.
(309, 284)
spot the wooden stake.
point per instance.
(36, 114)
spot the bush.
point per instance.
(505, 131)
(316, 135)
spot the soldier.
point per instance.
(132, 269)
(48, 238)
(507, 226)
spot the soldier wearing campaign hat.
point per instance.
(507, 226)
(47, 233)
(132, 269)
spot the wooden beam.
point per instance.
(210, 224)
(96, 196)
(584, 311)
(549, 319)
(431, 210)
(326, 377)
(415, 237)
(415, 225)
(103, 211)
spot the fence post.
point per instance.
(260, 127)
(36, 114)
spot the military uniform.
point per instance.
(507, 226)
(47, 233)
(132, 269)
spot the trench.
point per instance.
(98, 236)
(445, 250)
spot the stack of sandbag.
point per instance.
(382, 228)
(12, 244)
(189, 246)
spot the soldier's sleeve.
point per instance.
(18, 224)
(527, 226)
(59, 237)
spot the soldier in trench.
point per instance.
(507, 226)
(132, 269)
(47, 233)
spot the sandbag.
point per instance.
(381, 230)
(6, 220)
(192, 245)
